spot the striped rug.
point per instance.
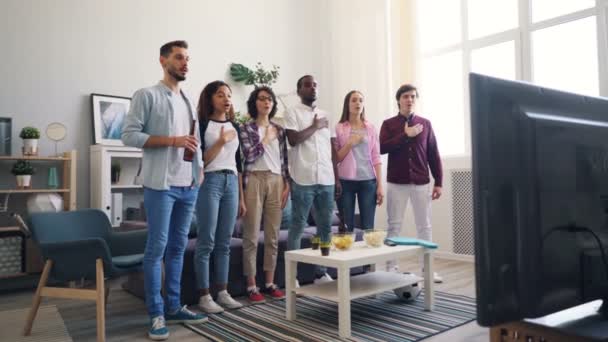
(380, 319)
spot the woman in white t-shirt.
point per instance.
(220, 197)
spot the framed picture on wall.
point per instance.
(109, 112)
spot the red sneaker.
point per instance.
(274, 292)
(255, 297)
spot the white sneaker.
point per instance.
(437, 278)
(207, 304)
(326, 278)
(225, 300)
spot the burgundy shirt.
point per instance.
(409, 159)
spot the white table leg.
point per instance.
(290, 285)
(344, 301)
(429, 282)
(372, 268)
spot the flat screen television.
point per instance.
(540, 185)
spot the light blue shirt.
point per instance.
(151, 113)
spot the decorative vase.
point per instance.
(24, 181)
(30, 147)
(53, 182)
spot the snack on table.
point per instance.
(374, 237)
(343, 241)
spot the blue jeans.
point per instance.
(216, 212)
(365, 192)
(303, 197)
(169, 213)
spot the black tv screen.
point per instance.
(540, 184)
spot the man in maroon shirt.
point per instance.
(412, 150)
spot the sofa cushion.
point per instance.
(128, 260)
(335, 219)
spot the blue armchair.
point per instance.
(81, 245)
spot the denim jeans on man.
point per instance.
(216, 212)
(303, 197)
(169, 213)
(365, 192)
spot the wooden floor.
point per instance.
(127, 320)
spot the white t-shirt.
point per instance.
(310, 161)
(225, 159)
(271, 159)
(180, 172)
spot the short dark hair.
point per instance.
(253, 97)
(346, 107)
(166, 49)
(404, 89)
(205, 101)
(300, 80)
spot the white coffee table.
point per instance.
(347, 288)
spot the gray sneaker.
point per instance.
(207, 304)
(225, 300)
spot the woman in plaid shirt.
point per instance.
(266, 183)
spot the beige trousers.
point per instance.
(263, 200)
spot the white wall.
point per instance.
(56, 53)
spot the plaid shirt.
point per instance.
(253, 148)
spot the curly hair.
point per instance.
(253, 97)
(205, 101)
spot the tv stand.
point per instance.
(584, 323)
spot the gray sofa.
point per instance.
(236, 279)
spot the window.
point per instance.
(441, 26)
(547, 9)
(441, 98)
(495, 60)
(561, 44)
(487, 17)
(565, 57)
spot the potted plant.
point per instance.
(241, 119)
(23, 170)
(115, 173)
(258, 77)
(30, 136)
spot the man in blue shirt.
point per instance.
(159, 122)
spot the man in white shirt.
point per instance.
(312, 167)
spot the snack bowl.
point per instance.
(374, 237)
(343, 241)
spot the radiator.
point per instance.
(462, 212)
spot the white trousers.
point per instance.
(397, 196)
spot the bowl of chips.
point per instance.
(374, 237)
(343, 241)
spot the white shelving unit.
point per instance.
(102, 188)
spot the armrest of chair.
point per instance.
(126, 243)
(73, 260)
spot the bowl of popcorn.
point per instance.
(374, 237)
(343, 241)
